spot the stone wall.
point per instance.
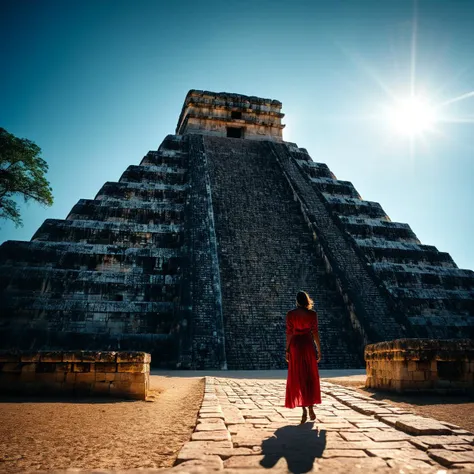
(421, 365)
(79, 373)
(210, 113)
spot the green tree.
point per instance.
(22, 174)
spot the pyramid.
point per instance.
(196, 255)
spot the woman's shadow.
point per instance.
(300, 445)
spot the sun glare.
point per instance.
(412, 116)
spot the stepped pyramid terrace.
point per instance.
(196, 254)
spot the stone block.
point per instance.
(105, 367)
(90, 356)
(197, 466)
(133, 367)
(214, 426)
(450, 458)
(54, 356)
(110, 377)
(27, 356)
(85, 377)
(28, 367)
(107, 357)
(72, 356)
(419, 375)
(344, 453)
(64, 367)
(219, 435)
(422, 426)
(131, 377)
(81, 367)
(134, 357)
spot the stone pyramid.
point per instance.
(196, 254)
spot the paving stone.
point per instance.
(411, 465)
(204, 425)
(391, 435)
(210, 410)
(354, 436)
(340, 465)
(422, 426)
(210, 463)
(330, 444)
(448, 458)
(211, 415)
(193, 450)
(437, 442)
(344, 453)
(400, 454)
(221, 435)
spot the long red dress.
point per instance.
(302, 385)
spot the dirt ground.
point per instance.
(456, 409)
(100, 433)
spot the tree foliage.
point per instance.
(22, 175)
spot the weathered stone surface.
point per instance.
(219, 435)
(207, 464)
(344, 453)
(422, 426)
(438, 442)
(81, 373)
(420, 364)
(206, 425)
(449, 458)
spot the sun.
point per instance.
(412, 116)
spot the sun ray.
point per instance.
(456, 99)
(414, 35)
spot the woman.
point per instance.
(302, 385)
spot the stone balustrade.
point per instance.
(421, 365)
(78, 373)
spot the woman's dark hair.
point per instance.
(303, 300)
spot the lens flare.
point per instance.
(412, 116)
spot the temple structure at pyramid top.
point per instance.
(231, 115)
(196, 253)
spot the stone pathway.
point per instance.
(243, 426)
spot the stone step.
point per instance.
(138, 212)
(403, 252)
(379, 229)
(45, 282)
(47, 303)
(165, 193)
(154, 174)
(334, 187)
(135, 235)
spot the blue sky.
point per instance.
(96, 84)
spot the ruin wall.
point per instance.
(421, 365)
(77, 373)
